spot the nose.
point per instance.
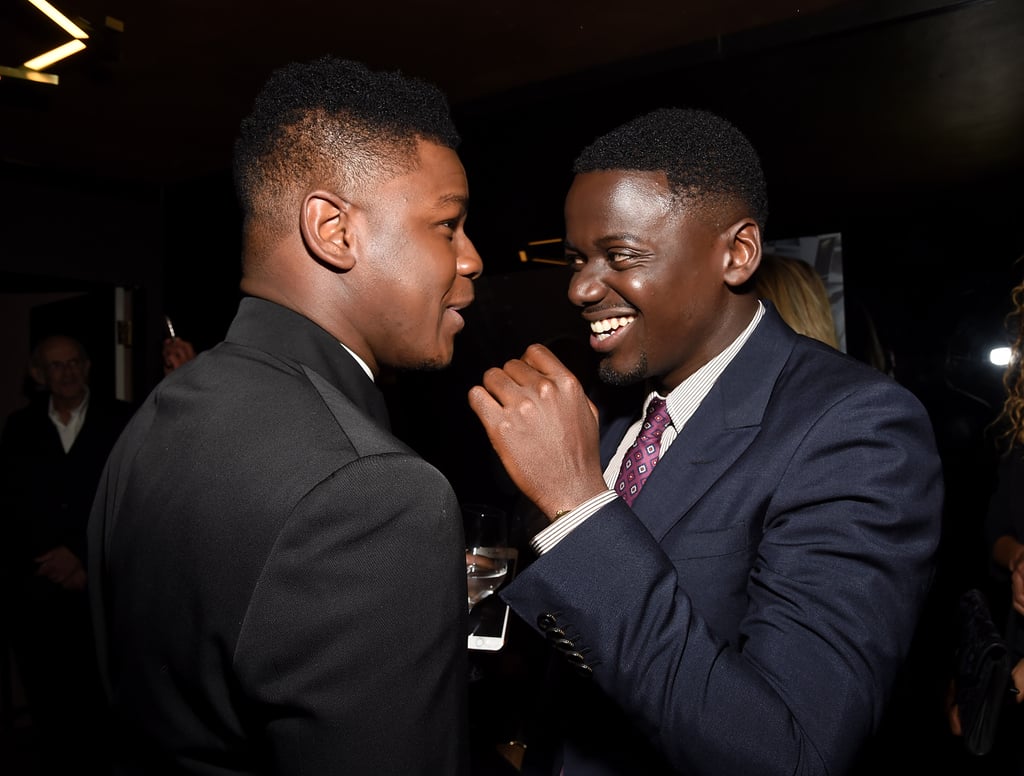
(586, 286)
(469, 262)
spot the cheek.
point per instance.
(388, 235)
(410, 307)
(669, 302)
(655, 292)
(391, 252)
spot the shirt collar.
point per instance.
(684, 399)
(359, 361)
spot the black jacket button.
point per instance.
(546, 621)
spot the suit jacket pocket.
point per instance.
(713, 569)
(693, 545)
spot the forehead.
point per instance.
(623, 197)
(58, 348)
(437, 179)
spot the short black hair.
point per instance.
(333, 119)
(704, 157)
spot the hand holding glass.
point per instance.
(486, 555)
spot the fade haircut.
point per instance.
(331, 121)
(707, 160)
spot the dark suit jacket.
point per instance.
(47, 493)
(281, 581)
(750, 612)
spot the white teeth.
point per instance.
(603, 328)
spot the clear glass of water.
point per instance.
(486, 529)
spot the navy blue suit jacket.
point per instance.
(751, 611)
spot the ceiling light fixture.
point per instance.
(60, 19)
(43, 61)
(30, 70)
(28, 75)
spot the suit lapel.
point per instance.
(722, 428)
(705, 448)
(367, 437)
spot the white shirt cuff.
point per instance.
(563, 526)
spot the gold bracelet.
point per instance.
(562, 513)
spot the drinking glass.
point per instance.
(486, 550)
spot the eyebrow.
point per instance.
(608, 239)
(453, 199)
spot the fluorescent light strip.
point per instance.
(43, 61)
(28, 75)
(60, 20)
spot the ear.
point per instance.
(743, 251)
(326, 229)
(38, 375)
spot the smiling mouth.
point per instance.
(606, 327)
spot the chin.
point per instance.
(428, 363)
(437, 364)
(612, 375)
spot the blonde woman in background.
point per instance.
(799, 294)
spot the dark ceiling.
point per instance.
(160, 100)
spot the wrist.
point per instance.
(571, 503)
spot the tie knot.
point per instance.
(656, 419)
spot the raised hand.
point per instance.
(543, 428)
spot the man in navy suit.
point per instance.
(279, 582)
(744, 602)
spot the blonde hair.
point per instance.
(799, 294)
(1011, 417)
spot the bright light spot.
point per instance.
(1000, 356)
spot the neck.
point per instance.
(65, 406)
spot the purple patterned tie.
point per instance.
(642, 456)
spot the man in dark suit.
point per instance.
(280, 581)
(51, 456)
(741, 598)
